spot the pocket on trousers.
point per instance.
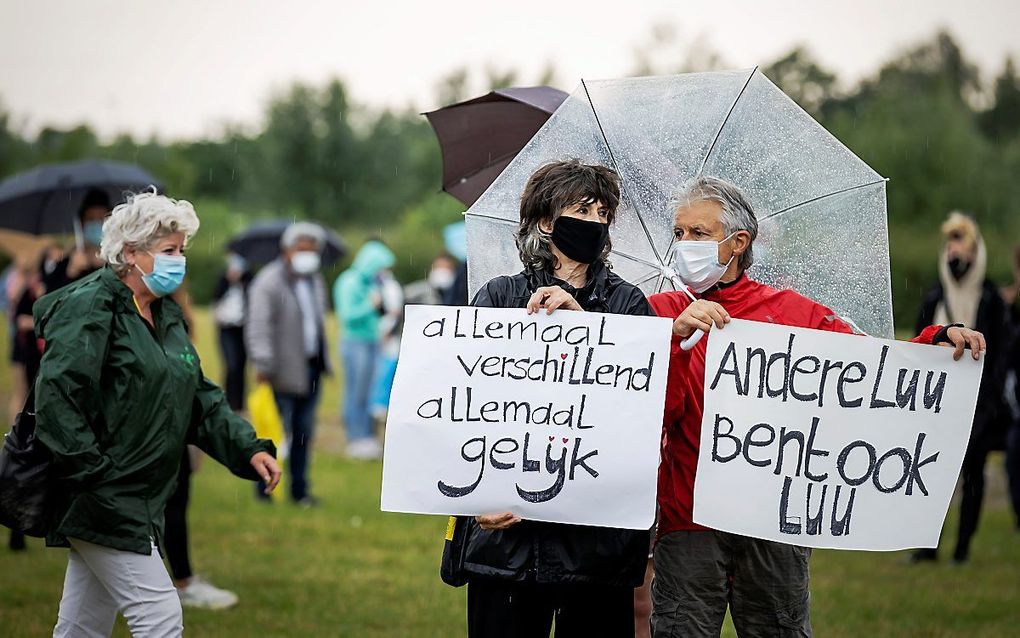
(668, 611)
(794, 620)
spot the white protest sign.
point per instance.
(831, 440)
(553, 417)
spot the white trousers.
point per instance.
(101, 581)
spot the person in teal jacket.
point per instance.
(358, 303)
(120, 392)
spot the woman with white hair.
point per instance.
(120, 392)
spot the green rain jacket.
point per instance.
(116, 402)
(353, 291)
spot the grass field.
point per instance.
(347, 569)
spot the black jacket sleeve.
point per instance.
(221, 288)
(494, 294)
(926, 316)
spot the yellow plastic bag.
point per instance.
(267, 422)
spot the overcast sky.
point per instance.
(183, 67)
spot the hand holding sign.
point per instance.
(550, 298)
(961, 339)
(831, 440)
(700, 315)
(492, 522)
(537, 417)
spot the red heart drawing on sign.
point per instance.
(563, 356)
(565, 440)
(552, 438)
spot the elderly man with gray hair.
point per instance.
(700, 572)
(286, 341)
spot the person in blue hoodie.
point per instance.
(358, 301)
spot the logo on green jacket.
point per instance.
(188, 359)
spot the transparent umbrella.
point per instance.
(821, 209)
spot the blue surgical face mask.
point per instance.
(92, 232)
(167, 274)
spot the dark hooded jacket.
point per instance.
(553, 552)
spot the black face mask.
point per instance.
(958, 267)
(580, 240)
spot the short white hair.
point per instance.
(141, 221)
(737, 212)
(303, 230)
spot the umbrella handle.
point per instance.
(691, 341)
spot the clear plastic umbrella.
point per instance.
(821, 209)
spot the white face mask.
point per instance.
(697, 263)
(305, 262)
(441, 278)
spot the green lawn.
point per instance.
(348, 569)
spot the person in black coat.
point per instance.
(521, 575)
(230, 297)
(1011, 365)
(964, 296)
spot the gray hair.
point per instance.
(737, 212)
(141, 221)
(303, 230)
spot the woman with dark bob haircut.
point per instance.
(522, 575)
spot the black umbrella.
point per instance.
(479, 137)
(48, 198)
(260, 243)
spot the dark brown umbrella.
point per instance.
(479, 137)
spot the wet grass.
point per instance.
(347, 569)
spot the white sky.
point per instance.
(183, 67)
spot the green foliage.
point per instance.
(923, 119)
(1002, 120)
(802, 79)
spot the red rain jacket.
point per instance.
(685, 392)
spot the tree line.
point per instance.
(947, 138)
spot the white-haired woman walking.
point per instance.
(120, 392)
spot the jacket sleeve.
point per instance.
(221, 288)
(353, 301)
(258, 330)
(492, 294)
(637, 304)
(931, 335)
(679, 362)
(67, 387)
(221, 433)
(926, 315)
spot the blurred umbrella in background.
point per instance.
(479, 137)
(48, 198)
(821, 210)
(259, 244)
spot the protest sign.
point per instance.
(831, 440)
(553, 417)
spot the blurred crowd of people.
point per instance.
(272, 325)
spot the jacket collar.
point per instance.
(115, 284)
(730, 291)
(592, 295)
(164, 306)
